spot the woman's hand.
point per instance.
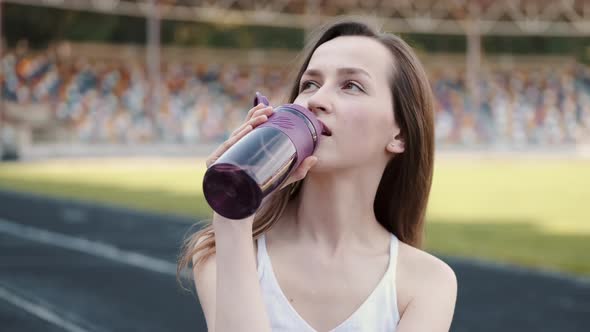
(255, 117)
(301, 171)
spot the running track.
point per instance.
(68, 266)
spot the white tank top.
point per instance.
(378, 313)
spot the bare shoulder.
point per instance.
(424, 266)
(422, 275)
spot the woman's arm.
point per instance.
(227, 283)
(431, 308)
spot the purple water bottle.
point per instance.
(256, 165)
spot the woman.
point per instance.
(337, 249)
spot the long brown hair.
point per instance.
(402, 195)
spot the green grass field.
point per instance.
(534, 213)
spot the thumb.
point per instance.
(308, 164)
(313, 162)
(302, 170)
(305, 166)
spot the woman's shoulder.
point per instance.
(421, 274)
(423, 265)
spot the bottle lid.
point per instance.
(260, 99)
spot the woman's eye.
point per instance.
(352, 85)
(347, 85)
(304, 85)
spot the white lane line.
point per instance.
(39, 311)
(95, 248)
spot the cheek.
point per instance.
(359, 123)
(370, 125)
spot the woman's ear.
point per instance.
(396, 145)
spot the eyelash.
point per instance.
(303, 85)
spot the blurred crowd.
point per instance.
(544, 105)
(103, 101)
(115, 101)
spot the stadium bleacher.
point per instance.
(109, 101)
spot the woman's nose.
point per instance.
(319, 102)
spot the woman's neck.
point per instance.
(335, 211)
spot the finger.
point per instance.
(254, 122)
(254, 109)
(258, 120)
(210, 162)
(227, 144)
(239, 129)
(268, 111)
(306, 165)
(239, 133)
(301, 172)
(264, 111)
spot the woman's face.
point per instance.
(346, 85)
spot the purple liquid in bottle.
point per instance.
(256, 165)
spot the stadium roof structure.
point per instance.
(459, 17)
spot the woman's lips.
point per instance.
(326, 131)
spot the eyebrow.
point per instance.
(346, 70)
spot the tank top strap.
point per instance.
(391, 290)
(393, 252)
(261, 255)
(387, 284)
